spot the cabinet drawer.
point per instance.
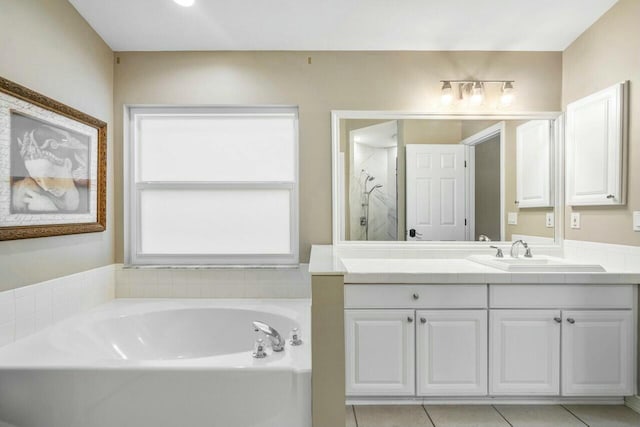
(561, 296)
(415, 296)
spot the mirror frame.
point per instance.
(558, 172)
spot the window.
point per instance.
(212, 185)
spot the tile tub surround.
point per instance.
(492, 416)
(213, 282)
(26, 310)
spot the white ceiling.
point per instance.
(134, 25)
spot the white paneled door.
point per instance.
(451, 352)
(380, 352)
(435, 192)
(524, 352)
(596, 353)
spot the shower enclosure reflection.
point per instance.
(372, 202)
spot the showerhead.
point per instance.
(369, 177)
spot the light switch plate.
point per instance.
(575, 220)
(513, 218)
(636, 221)
(549, 220)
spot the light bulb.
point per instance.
(477, 94)
(185, 3)
(447, 94)
(507, 94)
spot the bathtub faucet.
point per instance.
(277, 342)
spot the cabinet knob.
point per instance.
(557, 319)
(416, 296)
(611, 196)
(571, 320)
(423, 320)
(410, 319)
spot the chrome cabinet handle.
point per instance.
(557, 319)
(423, 320)
(570, 320)
(410, 319)
(611, 196)
(416, 296)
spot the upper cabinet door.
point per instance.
(533, 164)
(596, 134)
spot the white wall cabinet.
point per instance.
(380, 352)
(596, 353)
(534, 164)
(596, 133)
(451, 354)
(525, 352)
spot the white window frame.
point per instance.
(132, 191)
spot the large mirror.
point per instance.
(445, 178)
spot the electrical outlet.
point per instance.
(512, 218)
(549, 220)
(575, 220)
(636, 221)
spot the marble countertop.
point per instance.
(407, 266)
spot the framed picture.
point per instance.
(53, 173)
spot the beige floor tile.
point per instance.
(538, 416)
(606, 415)
(465, 416)
(392, 416)
(350, 418)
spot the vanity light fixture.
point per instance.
(474, 91)
(185, 3)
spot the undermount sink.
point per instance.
(535, 264)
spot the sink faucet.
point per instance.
(514, 249)
(499, 253)
(277, 342)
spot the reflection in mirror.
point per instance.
(446, 180)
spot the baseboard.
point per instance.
(633, 402)
(525, 400)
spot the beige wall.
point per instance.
(47, 46)
(607, 53)
(406, 81)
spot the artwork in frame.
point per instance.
(52, 167)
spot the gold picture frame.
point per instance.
(53, 167)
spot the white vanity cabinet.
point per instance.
(451, 353)
(408, 340)
(597, 353)
(580, 333)
(380, 352)
(525, 352)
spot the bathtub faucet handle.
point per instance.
(295, 337)
(275, 339)
(258, 349)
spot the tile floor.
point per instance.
(491, 416)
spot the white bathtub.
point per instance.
(160, 363)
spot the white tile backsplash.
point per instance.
(617, 258)
(29, 309)
(212, 282)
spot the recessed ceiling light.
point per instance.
(185, 3)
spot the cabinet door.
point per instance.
(595, 147)
(380, 352)
(524, 352)
(452, 352)
(597, 353)
(534, 164)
